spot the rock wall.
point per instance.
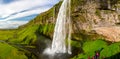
(86, 16)
(103, 22)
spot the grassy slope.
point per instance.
(6, 34)
(106, 50)
(9, 52)
(27, 35)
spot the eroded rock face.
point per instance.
(110, 33)
(104, 22)
(85, 17)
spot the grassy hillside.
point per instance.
(10, 52)
(19, 43)
(28, 42)
(106, 50)
(6, 34)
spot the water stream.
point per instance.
(62, 32)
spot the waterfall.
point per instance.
(62, 31)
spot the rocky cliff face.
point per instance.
(91, 19)
(103, 22)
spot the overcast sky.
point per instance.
(17, 12)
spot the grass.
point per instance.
(105, 50)
(27, 34)
(9, 52)
(92, 46)
(110, 50)
(6, 34)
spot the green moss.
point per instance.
(118, 16)
(76, 3)
(81, 18)
(108, 11)
(80, 56)
(46, 29)
(98, 13)
(76, 44)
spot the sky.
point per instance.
(14, 13)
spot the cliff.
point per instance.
(95, 26)
(88, 18)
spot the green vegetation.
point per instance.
(90, 47)
(98, 13)
(76, 3)
(6, 34)
(28, 35)
(110, 50)
(9, 52)
(16, 43)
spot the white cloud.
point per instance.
(20, 5)
(14, 9)
(27, 13)
(11, 24)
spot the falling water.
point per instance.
(62, 32)
(61, 28)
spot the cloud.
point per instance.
(20, 5)
(11, 24)
(27, 13)
(19, 9)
